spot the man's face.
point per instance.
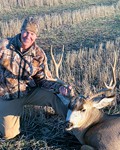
(27, 38)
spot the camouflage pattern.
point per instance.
(20, 72)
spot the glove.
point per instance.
(66, 91)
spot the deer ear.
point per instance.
(104, 102)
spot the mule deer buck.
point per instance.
(90, 125)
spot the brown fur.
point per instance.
(97, 129)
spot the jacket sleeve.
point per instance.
(46, 81)
(6, 57)
(50, 85)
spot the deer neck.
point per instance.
(90, 121)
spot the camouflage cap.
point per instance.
(30, 24)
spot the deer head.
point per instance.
(84, 111)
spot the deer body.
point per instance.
(105, 134)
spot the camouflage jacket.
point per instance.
(22, 72)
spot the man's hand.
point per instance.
(66, 91)
(1, 54)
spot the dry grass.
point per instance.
(41, 130)
(6, 5)
(55, 20)
(90, 65)
(28, 3)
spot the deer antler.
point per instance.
(112, 84)
(57, 65)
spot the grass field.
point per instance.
(90, 33)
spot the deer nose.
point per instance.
(68, 125)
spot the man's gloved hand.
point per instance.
(66, 91)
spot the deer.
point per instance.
(95, 129)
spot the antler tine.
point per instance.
(57, 65)
(98, 94)
(112, 84)
(60, 61)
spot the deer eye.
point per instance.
(83, 110)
